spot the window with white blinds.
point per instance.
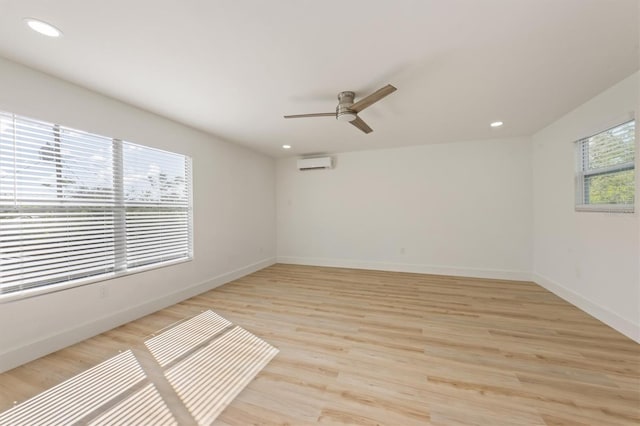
(605, 179)
(77, 207)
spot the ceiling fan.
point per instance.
(347, 110)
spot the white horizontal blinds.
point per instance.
(607, 166)
(56, 197)
(45, 164)
(49, 247)
(157, 205)
(76, 205)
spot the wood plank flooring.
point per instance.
(369, 347)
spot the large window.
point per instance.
(77, 207)
(606, 177)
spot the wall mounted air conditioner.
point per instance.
(315, 163)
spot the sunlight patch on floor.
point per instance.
(143, 407)
(184, 337)
(75, 398)
(208, 381)
(190, 372)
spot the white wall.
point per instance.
(590, 259)
(234, 218)
(460, 209)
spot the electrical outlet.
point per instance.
(103, 292)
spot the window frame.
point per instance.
(581, 174)
(117, 208)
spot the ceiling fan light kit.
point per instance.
(346, 116)
(348, 111)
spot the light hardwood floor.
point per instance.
(370, 347)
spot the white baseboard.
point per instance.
(601, 313)
(70, 336)
(499, 274)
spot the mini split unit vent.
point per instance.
(315, 163)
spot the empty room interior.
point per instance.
(296, 212)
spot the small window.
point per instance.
(605, 179)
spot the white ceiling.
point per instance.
(233, 68)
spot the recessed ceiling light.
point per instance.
(42, 27)
(497, 124)
(286, 146)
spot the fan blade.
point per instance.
(360, 124)
(319, 114)
(372, 98)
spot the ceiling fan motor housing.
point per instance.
(343, 111)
